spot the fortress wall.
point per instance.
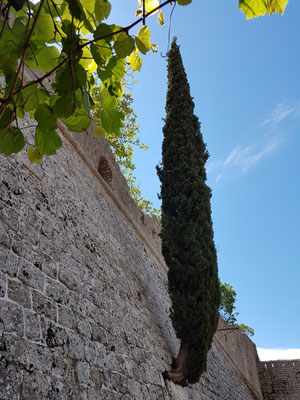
(280, 380)
(242, 351)
(84, 308)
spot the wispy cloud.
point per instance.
(242, 158)
(278, 114)
(278, 354)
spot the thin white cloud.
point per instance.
(278, 114)
(242, 159)
(245, 158)
(278, 354)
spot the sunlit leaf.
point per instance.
(149, 4)
(87, 60)
(44, 58)
(88, 5)
(44, 28)
(135, 62)
(160, 17)
(124, 45)
(104, 30)
(34, 156)
(78, 122)
(111, 119)
(99, 131)
(101, 52)
(154, 48)
(143, 40)
(255, 8)
(102, 9)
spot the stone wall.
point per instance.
(241, 350)
(280, 380)
(84, 308)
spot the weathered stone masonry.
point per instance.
(84, 309)
(280, 380)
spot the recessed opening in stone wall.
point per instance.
(105, 170)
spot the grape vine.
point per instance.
(67, 41)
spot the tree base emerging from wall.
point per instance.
(178, 372)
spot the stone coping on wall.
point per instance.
(96, 152)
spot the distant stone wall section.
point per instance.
(280, 380)
(84, 306)
(242, 351)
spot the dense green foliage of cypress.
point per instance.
(187, 234)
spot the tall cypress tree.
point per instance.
(187, 234)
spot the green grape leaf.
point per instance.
(32, 97)
(6, 118)
(124, 45)
(45, 118)
(114, 70)
(87, 61)
(111, 118)
(78, 122)
(44, 28)
(277, 6)
(160, 18)
(255, 8)
(88, 5)
(143, 40)
(34, 156)
(75, 8)
(135, 62)
(101, 52)
(43, 58)
(104, 30)
(149, 4)
(184, 2)
(47, 141)
(102, 9)
(11, 45)
(11, 140)
(99, 131)
(154, 48)
(63, 80)
(63, 107)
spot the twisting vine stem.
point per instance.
(144, 11)
(79, 47)
(71, 57)
(26, 45)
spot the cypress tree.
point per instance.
(187, 233)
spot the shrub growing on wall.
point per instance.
(187, 234)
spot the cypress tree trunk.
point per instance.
(187, 234)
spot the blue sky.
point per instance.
(244, 77)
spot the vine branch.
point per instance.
(79, 47)
(26, 45)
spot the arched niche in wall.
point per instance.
(105, 170)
